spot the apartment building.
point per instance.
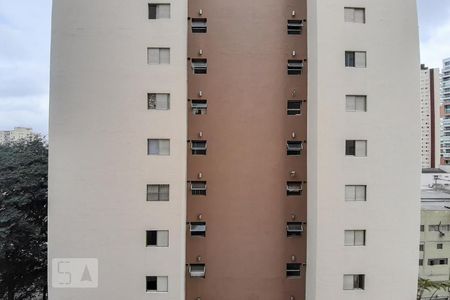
(445, 112)
(430, 116)
(235, 150)
(435, 239)
(18, 133)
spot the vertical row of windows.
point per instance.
(156, 146)
(355, 148)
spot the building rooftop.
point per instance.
(433, 171)
(434, 199)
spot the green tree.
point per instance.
(430, 286)
(23, 219)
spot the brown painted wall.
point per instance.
(246, 166)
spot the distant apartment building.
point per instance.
(445, 112)
(430, 116)
(211, 149)
(435, 239)
(18, 133)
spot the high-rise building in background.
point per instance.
(18, 133)
(430, 116)
(235, 149)
(445, 112)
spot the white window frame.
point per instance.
(296, 271)
(162, 238)
(162, 284)
(163, 147)
(356, 103)
(355, 15)
(199, 108)
(295, 187)
(197, 270)
(355, 237)
(162, 10)
(295, 228)
(356, 193)
(197, 227)
(163, 55)
(158, 101)
(353, 282)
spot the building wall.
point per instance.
(391, 82)
(430, 240)
(246, 167)
(99, 126)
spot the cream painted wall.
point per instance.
(99, 126)
(430, 239)
(391, 170)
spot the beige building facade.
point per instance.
(435, 240)
(235, 150)
(17, 134)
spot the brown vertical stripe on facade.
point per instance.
(246, 166)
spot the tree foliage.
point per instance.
(430, 286)
(23, 219)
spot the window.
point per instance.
(293, 270)
(294, 188)
(158, 147)
(355, 15)
(159, 11)
(439, 246)
(356, 59)
(199, 25)
(157, 238)
(421, 246)
(200, 65)
(356, 148)
(198, 147)
(295, 67)
(440, 227)
(355, 193)
(158, 101)
(198, 188)
(157, 192)
(158, 56)
(420, 262)
(422, 228)
(199, 107)
(438, 261)
(197, 270)
(354, 282)
(198, 229)
(355, 103)
(294, 108)
(157, 284)
(355, 238)
(294, 148)
(294, 229)
(295, 26)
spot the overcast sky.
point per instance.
(25, 47)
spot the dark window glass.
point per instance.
(151, 238)
(350, 148)
(152, 283)
(152, 11)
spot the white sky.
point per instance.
(25, 47)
